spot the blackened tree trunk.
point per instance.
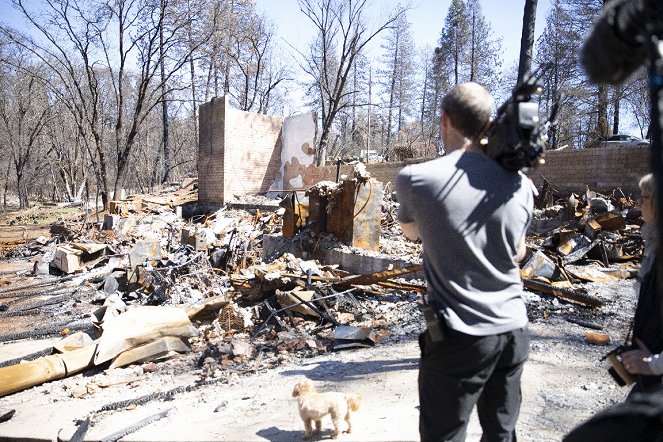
(527, 39)
(164, 105)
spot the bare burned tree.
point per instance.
(24, 114)
(95, 45)
(527, 39)
(343, 34)
(255, 74)
(60, 47)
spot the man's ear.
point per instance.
(444, 120)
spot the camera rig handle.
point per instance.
(517, 137)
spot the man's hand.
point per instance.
(410, 231)
(637, 361)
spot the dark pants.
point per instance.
(464, 370)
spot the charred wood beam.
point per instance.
(159, 395)
(402, 286)
(7, 416)
(145, 398)
(374, 278)
(29, 357)
(336, 280)
(35, 293)
(135, 427)
(36, 305)
(565, 293)
(38, 284)
(584, 323)
(51, 330)
(81, 431)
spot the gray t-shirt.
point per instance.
(471, 214)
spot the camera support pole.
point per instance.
(655, 49)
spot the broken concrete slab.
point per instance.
(144, 249)
(67, 259)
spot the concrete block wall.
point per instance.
(602, 169)
(239, 152)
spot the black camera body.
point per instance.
(517, 137)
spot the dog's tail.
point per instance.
(354, 400)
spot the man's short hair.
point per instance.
(469, 107)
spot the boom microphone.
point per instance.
(616, 45)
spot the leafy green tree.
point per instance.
(453, 43)
(397, 78)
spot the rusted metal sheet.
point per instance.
(354, 216)
(611, 221)
(352, 337)
(576, 242)
(540, 265)
(592, 228)
(295, 216)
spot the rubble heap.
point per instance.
(160, 278)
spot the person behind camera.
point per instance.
(646, 360)
(471, 216)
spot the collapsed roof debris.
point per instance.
(164, 279)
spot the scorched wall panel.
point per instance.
(252, 152)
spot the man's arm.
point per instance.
(522, 249)
(410, 231)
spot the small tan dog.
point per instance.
(313, 406)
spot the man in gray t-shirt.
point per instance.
(471, 216)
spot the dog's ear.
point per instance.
(354, 401)
(306, 386)
(295, 391)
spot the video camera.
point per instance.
(517, 138)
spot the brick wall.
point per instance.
(252, 152)
(211, 151)
(239, 152)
